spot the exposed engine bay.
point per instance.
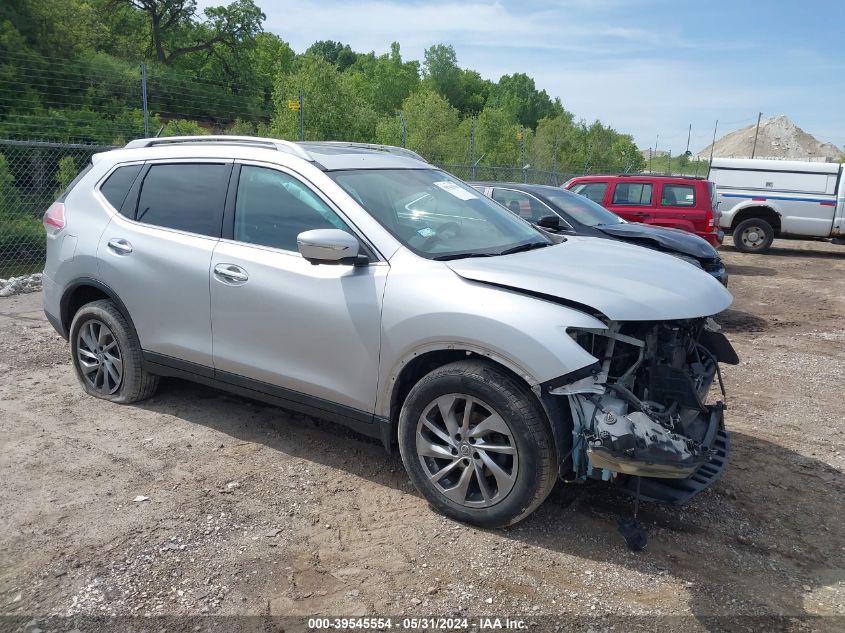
(640, 411)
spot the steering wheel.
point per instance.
(446, 231)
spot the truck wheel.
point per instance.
(106, 355)
(477, 445)
(753, 235)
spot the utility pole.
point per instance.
(713, 144)
(144, 100)
(756, 132)
(301, 118)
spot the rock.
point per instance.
(416, 601)
(232, 485)
(20, 285)
(140, 498)
(488, 600)
(273, 533)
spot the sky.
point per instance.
(645, 67)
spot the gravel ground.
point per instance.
(196, 502)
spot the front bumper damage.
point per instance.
(640, 411)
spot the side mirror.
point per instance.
(330, 246)
(551, 222)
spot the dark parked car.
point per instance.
(562, 211)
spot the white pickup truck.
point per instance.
(763, 199)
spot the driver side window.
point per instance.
(272, 208)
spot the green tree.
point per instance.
(336, 53)
(332, 110)
(518, 95)
(432, 128)
(177, 30)
(497, 137)
(384, 81)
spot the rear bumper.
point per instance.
(52, 305)
(714, 238)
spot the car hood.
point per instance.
(622, 281)
(669, 239)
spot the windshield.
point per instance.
(582, 209)
(437, 216)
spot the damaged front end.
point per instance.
(640, 410)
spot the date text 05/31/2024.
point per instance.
(411, 624)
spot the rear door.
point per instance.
(632, 200)
(678, 207)
(595, 191)
(156, 252)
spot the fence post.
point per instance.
(404, 129)
(301, 118)
(144, 100)
(472, 147)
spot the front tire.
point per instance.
(477, 444)
(753, 235)
(106, 355)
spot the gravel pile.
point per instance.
(20, 285)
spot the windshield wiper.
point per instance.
(524, 247)
(446, 258)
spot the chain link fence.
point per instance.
(489, 173)
(32, 175)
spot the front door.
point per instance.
(312, 332)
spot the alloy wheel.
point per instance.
(99, 358)
(467, 450)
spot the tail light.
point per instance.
(54, 219)
(710, 220)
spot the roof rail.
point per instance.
(271, 143)
(390, 149)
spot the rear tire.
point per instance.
(753, 235)
(106, 355)
(477, 444)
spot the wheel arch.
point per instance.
(425, 360)
(85, 290)
(763, 212)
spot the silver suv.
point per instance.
(362, 285)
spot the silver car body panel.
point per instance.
(649, 286)
(343, 334)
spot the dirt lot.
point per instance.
(253, 510)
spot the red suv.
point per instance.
(670, 201)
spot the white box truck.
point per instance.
(760, 200)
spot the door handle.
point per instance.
(120, 246)
(231, 273)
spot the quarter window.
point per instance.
(273, 208)
(632, 193)
(186, 197)
(117, 186)
(678, 196)
(592, 190)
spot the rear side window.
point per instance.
(632, 193)
(678, 196)
(117, 186)
(186, 197)
(592, 190)
(521, 204)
